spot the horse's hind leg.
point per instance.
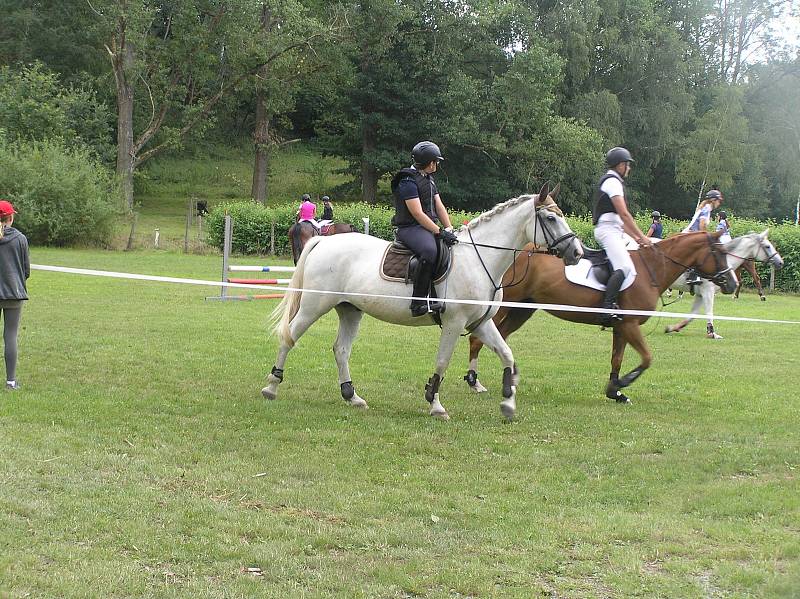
(490, 336)
(677, 328)
(306, 316)
(349, 321)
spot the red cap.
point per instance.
(6, 208)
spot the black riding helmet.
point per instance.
(326, 199)
(713, 194)
(617, 155)
(306, 198)
(723, 215)
(425, 152)
(656, 214)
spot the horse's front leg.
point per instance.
(475, 346)
(447, 345)
(349, 321)
(488, 333)
(617, 353)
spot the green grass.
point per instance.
(139, 459)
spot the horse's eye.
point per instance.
(551, 217)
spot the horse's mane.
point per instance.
(487, 216)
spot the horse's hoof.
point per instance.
(670, 329)
(713, 336)
(763, 298)
(357, 402)
(508, 409)
(269, 393)
(477, 387)
(618, 396)
(440, 414)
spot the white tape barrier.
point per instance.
(528, 306)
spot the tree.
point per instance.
(715, 151)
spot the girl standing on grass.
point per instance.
(15, 268)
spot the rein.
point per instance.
(715, 278)
(551, 249)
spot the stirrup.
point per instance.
(420, 309)
(608, 319)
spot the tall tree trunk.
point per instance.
(261, 143)
(122, 62)
(369, 174)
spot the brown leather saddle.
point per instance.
(601, 265)
(400, 264)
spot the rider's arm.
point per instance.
(651, 230)
(628, 224)
(441, 212)
(415, 208)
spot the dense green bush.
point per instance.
(63, 196)
(253, 222)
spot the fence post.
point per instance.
(188, 224)
(226, 252)
(366, 225)
(156, 238)
(272, 238)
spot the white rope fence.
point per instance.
(527, 306)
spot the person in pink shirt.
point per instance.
(308, 210)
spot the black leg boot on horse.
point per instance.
(422, 288)
(610, 300)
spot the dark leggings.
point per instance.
(11, 318)
(420, 240)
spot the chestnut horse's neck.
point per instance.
(668, 259)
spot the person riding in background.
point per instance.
(307, 210)
(702, 216)
(15, 268)
(327, 209)
(656, 230)
(611, 220)
(722, 225)
(418, 212)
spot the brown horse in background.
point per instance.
(301, 232)
(539, 278)
(750, 267)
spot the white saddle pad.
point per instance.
(583, 274)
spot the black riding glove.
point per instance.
(448, 237)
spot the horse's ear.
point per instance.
(763, 236)
(543, 192)
(554, 193)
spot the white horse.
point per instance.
(753, 246)
(347, 268)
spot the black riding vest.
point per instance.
(602, 203)
(425, 186)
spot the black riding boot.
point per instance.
(422, 287)
(610, 300)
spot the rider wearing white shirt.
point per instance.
(612, 220)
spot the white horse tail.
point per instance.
(285, 311)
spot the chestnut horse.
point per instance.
(749, 266)
(539, 278)
(302, 231)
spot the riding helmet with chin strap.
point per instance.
(617, 155)
(655, 214)
(714, 194)
(426, 152)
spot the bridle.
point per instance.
(767, 247)
(552, 249)
(550, 239)
(717, 251)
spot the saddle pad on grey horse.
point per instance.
(394, 266)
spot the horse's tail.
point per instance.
(295, 235)
(285, 311)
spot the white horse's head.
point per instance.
(755, 246)
(548, 228)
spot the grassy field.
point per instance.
(139, 459)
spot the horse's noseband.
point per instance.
(552, 241)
